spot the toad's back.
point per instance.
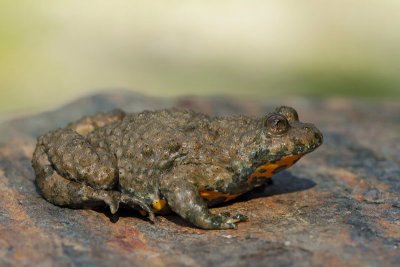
(152, 134)
(153, 138)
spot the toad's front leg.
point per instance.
(183, 198)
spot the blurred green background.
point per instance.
(54, 51)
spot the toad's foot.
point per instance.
(114, 198)
(134, 202)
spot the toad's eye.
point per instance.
(276, 124)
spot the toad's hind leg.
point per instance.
(70, 171)
(74, 158)
(64, 192)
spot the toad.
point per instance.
(168, 160)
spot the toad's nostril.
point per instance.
(319, 137)
(308, 129)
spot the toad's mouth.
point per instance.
(301, 149)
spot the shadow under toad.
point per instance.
(282, 183)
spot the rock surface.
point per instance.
(339, 206)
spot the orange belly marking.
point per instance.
(212, 195)
(267, 170)
(159, 204)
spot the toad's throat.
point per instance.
(214, 195)
(260, 175)
(267, 170)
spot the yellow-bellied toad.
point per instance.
(170, 159)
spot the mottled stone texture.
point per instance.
(339, 206)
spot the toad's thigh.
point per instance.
(64, 192)
(74, 158)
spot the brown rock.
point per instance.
(339, 206)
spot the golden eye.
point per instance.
(276, 124)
